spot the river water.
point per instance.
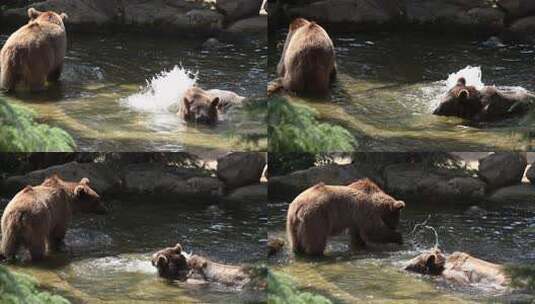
(116, 90)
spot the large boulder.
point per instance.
(238, 9)
(523, 28)
(288, 186)
(238, 169)
(154, 179)
(432, 185)
(253, 25)
(440, 11)
(524, 193)
(253, 193)
(502, 169)
(530, 174)
(517, 8)
(348, 11)
(103, 178)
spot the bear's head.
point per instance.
(86, 199)
(429, 262)
(171, 263)
(49, 16)
(199, 106)
(460, 101)
(389, 207)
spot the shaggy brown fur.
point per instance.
(34, 53)
(459, 268)
(39, 215)
(486, 104)
(322, 211)
(199, 106)
(307, 65)
(173, 263)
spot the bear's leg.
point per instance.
(8, 78)
(55, 74)
(55, 240)
(313, 237)
(37, 247)
(356, 240)
(37, 83)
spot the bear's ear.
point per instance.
(398, 205)
(461, 81)
(64, 16)
(178, 248)
(84, 181)
(430, 263)
(80, 191)
(463, 94)
(215, 102)
(33, 13)
(297, 23)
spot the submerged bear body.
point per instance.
(34, 54)
(371, 216)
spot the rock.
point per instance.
(168, 181)
(493, 42)
(502, 169)
(290, 185)
(439, 11)
(213, 44)
(486, 18)
(348, 11)
(517, 8)
(430, 185)
(238, 169)
(475, 211)
(204, 20)
(253, 25)
(530, 174)
(252, 193)
(238, 9)
(102, 177)
(524, 27)
(524, 193)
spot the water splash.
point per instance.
(132, 264)
(428, 227)
(472, 75)
(163, 90)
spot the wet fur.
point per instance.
(322, 211)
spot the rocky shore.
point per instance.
(511, 19)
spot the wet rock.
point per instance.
(524, 193)
(517, 8)
(253, 25)
(333, 174)
(348, 11)
(213, 44)
(487, 18)
(475, 211)
(523, 27)
(530, 174)
(430, 185)
(439, 11)
(103, 178)
(252, 193)
(493, 42)
(502, 169)
(238, 9)
(170, 181)
(238, 169)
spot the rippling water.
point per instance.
(505, 234)
(389, 83)
(101, 72)
(108, 257)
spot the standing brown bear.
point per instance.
(34, 53)
(322, 211)
(38, 216)
(307, 65)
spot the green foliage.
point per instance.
(281, 290)
(22, 289)
(522, 276)
(295, 128)
(19, 131)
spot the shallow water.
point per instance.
(506, 234)
(108, 257)
(389, 83)
(102, 72)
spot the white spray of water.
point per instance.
(426, 226)
(132, 264)
(471, 74)
(163, 90)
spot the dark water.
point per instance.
(389, 83)
(505, 234)
(108, 257)
(102, 71)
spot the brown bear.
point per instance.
(173, 263)
(484, 105)
(307, 65)
(38, 216)
(206, 107)
(459, 268)
(370, 214)
(34, 53)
